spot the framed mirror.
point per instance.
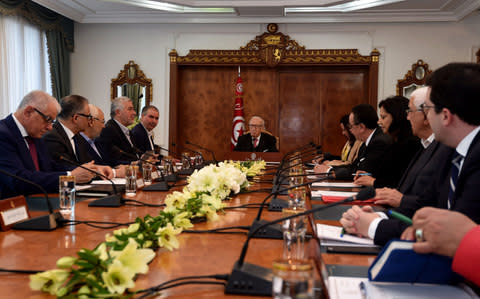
(132, 82)
(413, 79)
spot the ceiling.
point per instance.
(255, 11)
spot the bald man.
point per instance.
(256, 140)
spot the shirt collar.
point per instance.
(124, 129)
(426, 142)
(149, 133)
(464, 145)
(370, 137)
(20, 127)
(86, 137)
(67, 130)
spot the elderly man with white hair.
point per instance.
(256, 140)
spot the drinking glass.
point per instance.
(147, 173)
(292, 279)
(294, 231)
(66, 189)
(130, 181)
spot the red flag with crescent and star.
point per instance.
(238, 126)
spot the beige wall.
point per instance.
(101, 50)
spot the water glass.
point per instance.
(147, 173)
(198, 160)
(292, 279)
(186, 161)
(66, 196)
(130, 181)
(294, 231)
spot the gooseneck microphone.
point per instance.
(206, 149)
(275, 231)
(249, 279)
(160, 186)
(45, 222)
(114, 200)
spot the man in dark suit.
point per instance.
(88, 141)
(256, 140)
(142, 133)
(23, 153)
(363, 125)
(63, 139)
(452, 111)
(115, 141)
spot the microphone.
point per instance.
(275, 232)
(206, 149)
(160, 186)
(249, 279)
(114, 200)
(45, 222)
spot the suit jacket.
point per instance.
(267, 143)
(57, 141)
(15, 158)
(89, 152)
(369, 157)
(465, 200)
(140, 138)
(395, 161)
(110, 137)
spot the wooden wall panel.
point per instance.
(299, 105)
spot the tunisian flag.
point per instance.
(238, 117)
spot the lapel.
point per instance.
(20, 141)
(470, 163)
(418, 163)
(61, 132)
(119, 132)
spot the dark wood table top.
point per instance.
(198, 254)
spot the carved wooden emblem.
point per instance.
(272, 45)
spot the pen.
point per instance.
(343, 232)
(400, 217)
(363, 290)
(362, 173)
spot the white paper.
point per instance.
(336, 185)
(116, 181)
(331, 232)
(320, 193)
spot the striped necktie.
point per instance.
(456, 162)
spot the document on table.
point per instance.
(116, 181)
(320, 193)
(336, 185)
(349, 288)
(334, 233)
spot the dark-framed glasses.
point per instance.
(98, 119)
(88, 116)
(46, 118)
(425, 107)
(413, 110)
(255, 126)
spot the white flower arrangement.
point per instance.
(109, 270)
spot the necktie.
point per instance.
(75, 148)
(33, 151)
(456, 161)
(255, 141)
(92, 144)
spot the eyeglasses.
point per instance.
(256, 126)
(100, 120)
(47, 118)
(413, 110)
(88, 116)
(425, 107)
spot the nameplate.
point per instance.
(140, 183)
(13, 210)
(154, 175)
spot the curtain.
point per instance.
(24, 62)
(59, 33)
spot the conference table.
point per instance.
(198, 254)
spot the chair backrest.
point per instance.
(276, 137)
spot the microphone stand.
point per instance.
(250, 279)
(113, 201)
(45, 222)
(160, 186)
(205, 149)
(274, 231)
